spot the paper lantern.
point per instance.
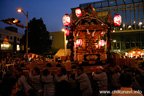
(78, 12)
(117, 20)
(79, 42)
(101, 43)
(66, 32)
(102, 33)
(5, 40)
(66, 20)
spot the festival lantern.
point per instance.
(102, 33)
(78, 12)
(66, 20)
(79, 42)
(5, 39)
(66, 32)
(101, 43)
(117, 20)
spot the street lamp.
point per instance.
(63, 30)
(20, 10)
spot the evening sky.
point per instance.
(51, 11)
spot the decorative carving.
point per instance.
(88, 27)
(110, 20)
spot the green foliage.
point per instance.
(38, 37)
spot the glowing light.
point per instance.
(78, 12)
(139, 52)
(19, 10)
(133, 51)
(15, 21)
(5, 45)
(120, 28)
(117, 20)
(66, 41)
(5, 40)
(134, 22)
(101, 43)
(18, 47)
(66, 32)
(102, 33)
(114, 40)
(63, 29)
(123, 25)
(126, 54)
(79, 42)
(140, 23)
(66, 20)
(129, 26)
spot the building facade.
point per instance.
(57, 40)
(130, 33)
(9, 42)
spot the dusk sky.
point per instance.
(51, 11)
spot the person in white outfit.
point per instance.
(84, 82)
(35, 80)
(48, 82)
(23, 86)
(101, 77)
(62, 75)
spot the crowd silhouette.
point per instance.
(108, 78)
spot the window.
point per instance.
(18, 47)
(114, 46)
(51, 38)
(112, 3)
(127, 45)
(118, 45)
(0, 35)
(7, 37)
(18, 39)
(133, 44)
(137, 44)
(120, 2)
(11, 37)
(97, 5)
(104, 4)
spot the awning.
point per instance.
(61, 52)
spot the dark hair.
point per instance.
(58, 65)
(74, 67)
(126, 80)
(63, 71)
(48, 65)
(46, 72)
(37, 70)
(6, 86)
(19, 69)
(81, 68)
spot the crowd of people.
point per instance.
(107, 80)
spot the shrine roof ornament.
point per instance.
(89, 20)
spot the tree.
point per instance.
(38, 37)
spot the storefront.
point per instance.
(135, 53)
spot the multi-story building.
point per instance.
(131, 32)
(9, 41)
(60, 44)
(57, 40)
